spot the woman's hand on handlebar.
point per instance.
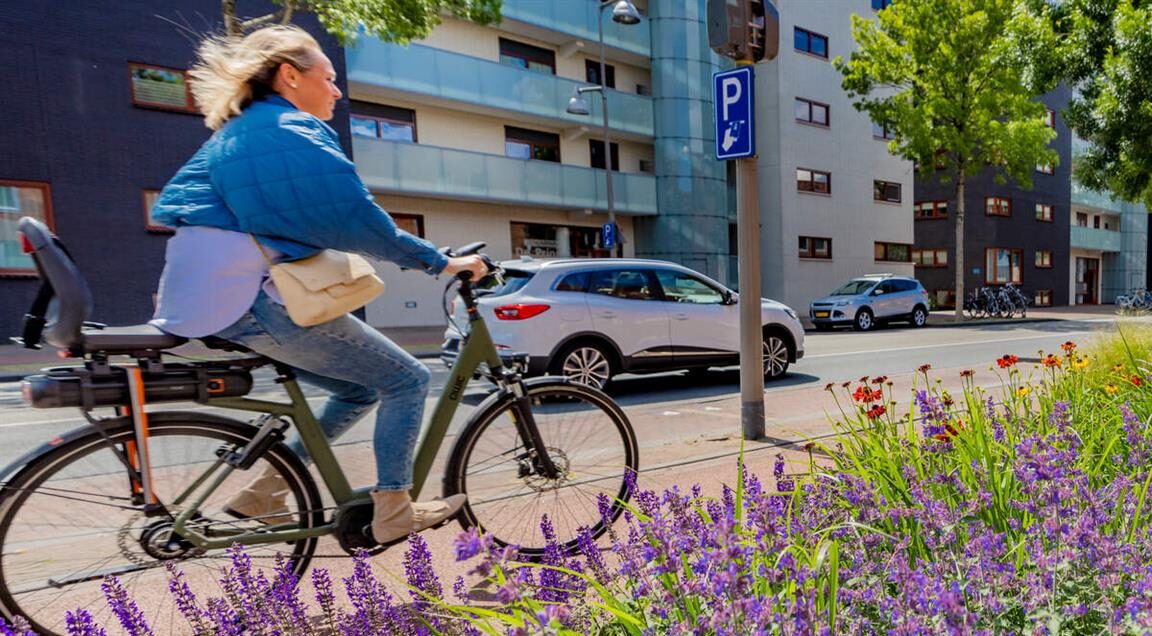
(473, 265)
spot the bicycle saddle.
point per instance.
(60, 313)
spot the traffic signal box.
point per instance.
(744, 30)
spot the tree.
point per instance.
(389, 20)
(952, 82)
(1106, 56)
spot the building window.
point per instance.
(811, 112)
(881, 132)
(813, 181)
(1044, 212)
(998, 206)
(149, 198)
(1081, 219)
(160, 87)
(1043, 298)
(1050, 119)
(1096, 222)
(815, 247)
(596, 152)
(944, 297)
(930, 210)
(896, 252)
(878, 5)
(647, 166)
(539, 239)
(410, 223)
(17, 199)
(521, 143)
(1045, 169)
(812, 43)
(1044, 259)
(936, 257)
(1002, 265)
(528, 57)
(886, 191)
(592, 73)
(383, 122)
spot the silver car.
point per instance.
(591, 319)
(863, 302)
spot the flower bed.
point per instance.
(1022, 509)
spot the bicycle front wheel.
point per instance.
(68, 520)
(589, 439)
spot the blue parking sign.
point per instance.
(732, 98)
(609, 235)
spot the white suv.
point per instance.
(591, 319)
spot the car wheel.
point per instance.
(584, 363)
(919, 317)
(864, 320)
(775, 356)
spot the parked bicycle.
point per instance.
(1137, 300)
(1005, 301)
(137, 489)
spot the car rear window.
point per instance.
(514, 281)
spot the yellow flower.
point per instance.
(1110, 389)
(1022, 391)
(1081, 362)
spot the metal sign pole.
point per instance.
(751, 334)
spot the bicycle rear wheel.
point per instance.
(67, 520)
(587, 436)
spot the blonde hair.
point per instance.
(231, 72)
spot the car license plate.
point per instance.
(821, 314)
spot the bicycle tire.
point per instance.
(507, 502)
(67, 520)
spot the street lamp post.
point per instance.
(623, 12)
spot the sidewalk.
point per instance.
(424, 342)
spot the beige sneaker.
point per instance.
(395, 516)
(264, 498)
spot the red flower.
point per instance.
(866, 394)
(1137, 381)
(1007, 360)
(1068, 347)
(924, 368)
(1051, 361)
(876, 411)
(967, 373)
(880, 379)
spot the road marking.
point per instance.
(941, 346)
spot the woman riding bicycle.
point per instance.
(275, 172)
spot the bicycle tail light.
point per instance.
(25, 244)
(519, 311)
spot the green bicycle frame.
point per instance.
(478, 349)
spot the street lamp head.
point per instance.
(577, 105)
(624, 12)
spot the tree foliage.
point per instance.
(1105, 53)
(389, 20)
(953, 83)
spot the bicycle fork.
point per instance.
(525, 421)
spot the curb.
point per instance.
(950, 324)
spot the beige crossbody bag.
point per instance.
(324, 286)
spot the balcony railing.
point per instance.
(423, 70)
(1090, 238)
(578, 18)
(414, 169)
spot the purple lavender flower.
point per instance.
(81, 623)
(185, 599)
(325, 598)
(126, 610)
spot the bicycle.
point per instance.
(132, 492)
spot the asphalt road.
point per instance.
(830, 357)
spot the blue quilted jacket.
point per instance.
(279, 173)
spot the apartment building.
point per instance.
(834, 203)
(465, 136)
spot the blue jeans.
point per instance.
(359, 367)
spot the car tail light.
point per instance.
(26, 245)
(519, 311)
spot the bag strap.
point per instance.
(34, 320)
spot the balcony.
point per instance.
(1089, 238)
(579, 20)
(487, 86)
(446, 173)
